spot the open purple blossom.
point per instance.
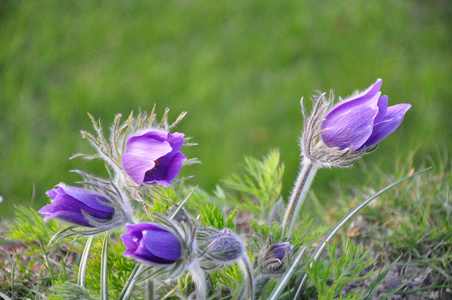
(151, 244)
(154, 157)
(73, 204)
(362, 120)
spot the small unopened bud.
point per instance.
(276, 258)
(224, 246)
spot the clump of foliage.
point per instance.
(145, 233)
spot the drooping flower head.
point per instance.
(152, 244)
(362, 120)
(153, 157)
(78, 206)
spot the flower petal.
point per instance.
(167, 169)
(88, 201)
(366, 94)
(162, 244)
(350, 124)
(151, 145)
(392, 120)
(69, 216)
(136, 166)
(382, 108)
(131, 240)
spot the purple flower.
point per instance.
(362, 120)
(70, 203)
(154, 157)
(152, 244)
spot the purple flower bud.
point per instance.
(362, 120)
(154, 157)
(276, 258)
(224, 246)
(152, 244)
(70, 203)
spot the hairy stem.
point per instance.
(299, 192)
(199, 279)
(245, 264)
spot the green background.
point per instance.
(238, 67)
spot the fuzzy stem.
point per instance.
(299, 192)
(199, 279)
(245, 264)
(149, 290)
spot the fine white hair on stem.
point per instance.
(199, 279)
(245, 265)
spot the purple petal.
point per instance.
(350, 124)
(368, 93)
(71, 217)
(175, 166)
(87, 200)
(150, 243)
(392, 120)
(176, 140)
(167, 169)
(143, 226)
(131, 240)
(68, 203)
(142, 151)
(151, 145)
(382, 108)
(51, 193)
(136, 166)
(162, 244)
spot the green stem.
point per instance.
(299, 192)
(130, 284)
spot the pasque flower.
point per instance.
(151, 244)
(362, 120)
(276, 258)
(78, 206)
(154, 157)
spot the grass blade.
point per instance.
(182, 203)
(338, 226)
(81, 280)
(103, 269)
(286, 278)
(373, 286)
(4, 296)
(130, 284)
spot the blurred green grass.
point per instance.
(238, 67)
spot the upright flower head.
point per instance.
(340, 136)
(154, 157)
(151, 244)
(78, 206)
(362, 120)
